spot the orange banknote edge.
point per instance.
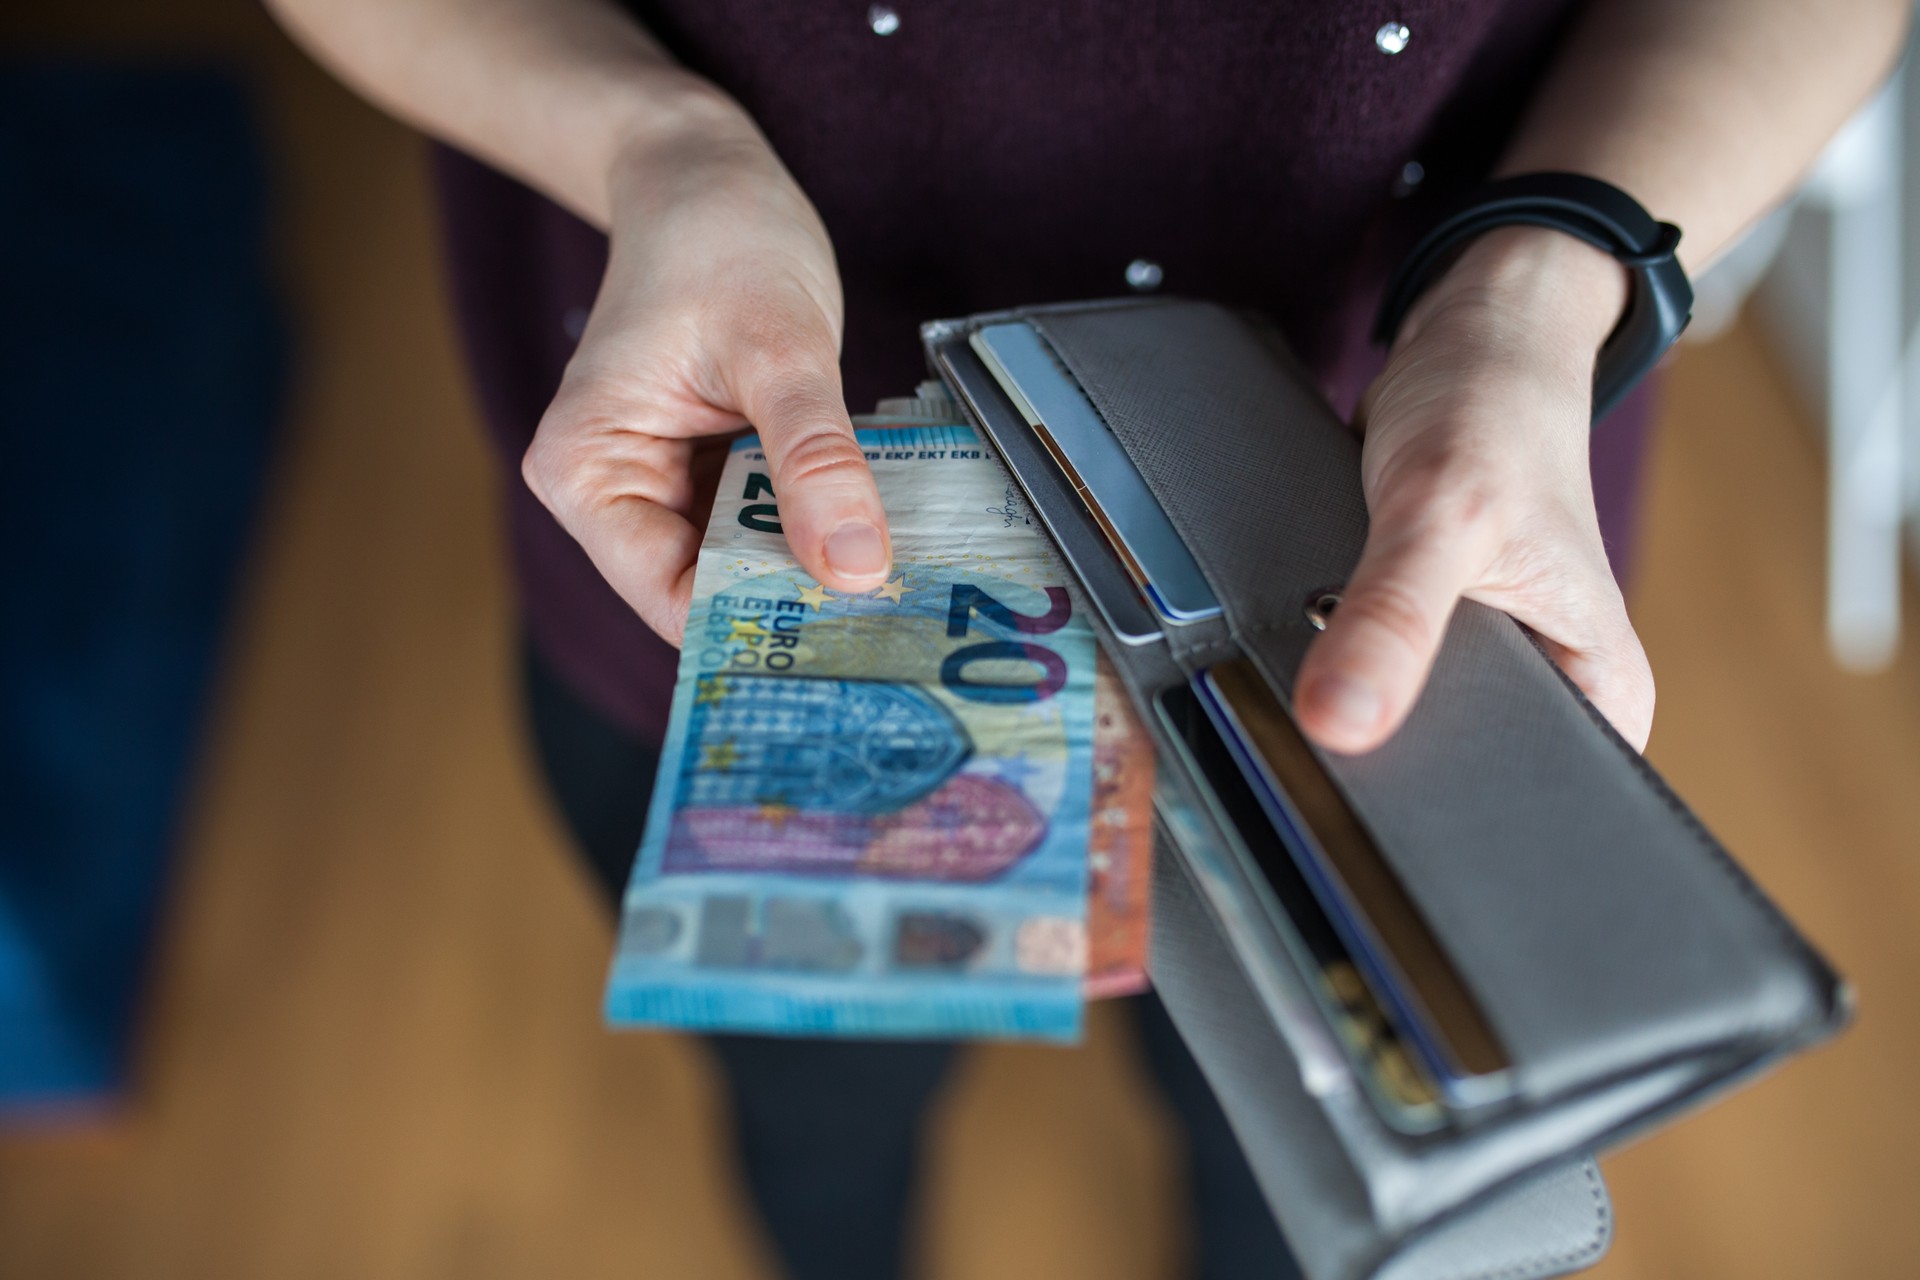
(1120, 848)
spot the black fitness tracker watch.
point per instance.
(1660, 301)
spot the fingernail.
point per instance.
(857, 550)
(1351, 705)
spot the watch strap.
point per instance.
(1660, 298)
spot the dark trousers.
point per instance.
(828, 1130)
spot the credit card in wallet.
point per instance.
(1098, 468)
(1389, 939)
(1403, 1093)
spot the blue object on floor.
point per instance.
(140, 370)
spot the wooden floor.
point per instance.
(373, 1048)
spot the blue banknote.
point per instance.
(872, 811)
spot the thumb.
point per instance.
(1361, 678)
(829, 505)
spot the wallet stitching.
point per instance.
(1271, 669)
(1602, 1219)
(1208, 652)
(1717, 854)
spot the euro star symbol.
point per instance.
(776, 815)
(746, 629)
(893, 590)
(815, 595)
(721, 755)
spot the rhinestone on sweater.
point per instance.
(1143, 275)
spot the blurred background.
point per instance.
(295, 978)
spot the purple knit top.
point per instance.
(1276, 154)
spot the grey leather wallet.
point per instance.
(1624, 966)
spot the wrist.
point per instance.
(1538, 284)
(685, 126)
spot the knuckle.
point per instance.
(1474, 504)
(541, 471)
(1395, 610)
(562, 445)
(778, 350)
(1448, 491)
(775, 350)
(796, 409)
(590, 406)
(576, 475)
(791, 388)
(821, 456)
(564, 486)
(533, 475)
(1456, 502)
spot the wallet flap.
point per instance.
(1601, 927)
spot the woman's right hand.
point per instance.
(720, 307)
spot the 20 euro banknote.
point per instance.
(872, 811)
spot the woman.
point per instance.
(789, 189)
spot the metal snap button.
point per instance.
(883, 20)
(1320, 607)
(1412, 174)
(1392, 38)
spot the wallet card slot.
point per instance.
(1348, 1204)
(1384, 1057)
(1049, 496)
(1323, 1066)
(1221, 448)
(1423, 1002)
(1406, 1182)
(1147, 667)
(1085, 452)
(1596, 943)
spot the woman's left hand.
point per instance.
(1477, 483)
